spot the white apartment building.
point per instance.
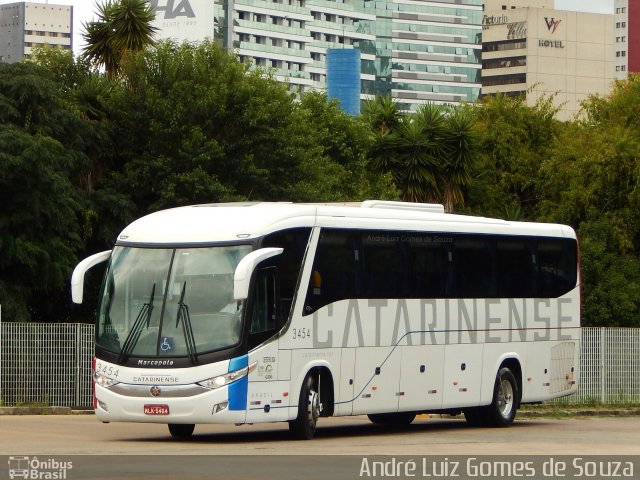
(24, 25)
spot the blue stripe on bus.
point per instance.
(238, 389)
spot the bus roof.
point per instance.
(225, 222)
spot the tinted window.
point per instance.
(334, 270)
(390, 264)
(288, 264)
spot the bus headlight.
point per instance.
(103, 381)
(227, 378)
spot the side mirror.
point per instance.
(242, 275)
(77, 279)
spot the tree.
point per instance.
(195, 125)
(382, 113)
(429, 154)
(590, 181)
(344, 140)
(513, 139)
(456, 173)
(41, 143)
(123, 26)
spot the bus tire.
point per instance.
(502, 410)
(309, 409)
(399, 418)
(181, 430)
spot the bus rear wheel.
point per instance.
(309, 409)
(399, 418)
(502, 410)
(181, 430)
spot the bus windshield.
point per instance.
(170, 302)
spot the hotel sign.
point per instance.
(516, 30)
(552, 25)
(490, 20)
(494, 19)
(550, 43)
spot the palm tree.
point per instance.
(123, 26)
(463, 148)
(429, 154)
(382, 113)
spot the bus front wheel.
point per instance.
(309, 409)
(181, 430)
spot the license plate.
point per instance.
(156, 409)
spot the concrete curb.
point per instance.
(35, 410)
(578, 413)
(43, 411)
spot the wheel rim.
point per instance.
(505, 398)
(313, 410)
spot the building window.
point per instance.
(504, 45)
(504, 80)
(505, 62)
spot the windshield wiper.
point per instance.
(144, 315)
(183, 315)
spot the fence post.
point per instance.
(78, 360)
(602, 365)
(1, 355)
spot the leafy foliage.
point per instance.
(429, 154)
(40, 150)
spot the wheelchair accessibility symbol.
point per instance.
(167, 344)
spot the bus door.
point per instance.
(344, 405)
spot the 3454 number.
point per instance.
(301, 333)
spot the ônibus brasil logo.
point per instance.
(35, 469)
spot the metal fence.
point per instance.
(51, 364)
(609, 366)
(47, 364)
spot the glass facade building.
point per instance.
(417, 51)
(343, 78)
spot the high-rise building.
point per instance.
(536, 51)
(24, 25)
(627, 37)
(416, 50)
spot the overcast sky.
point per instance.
(83, 11)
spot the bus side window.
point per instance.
(294, 242)
(264, 311)
(335, 268)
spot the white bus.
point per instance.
(265, 312)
